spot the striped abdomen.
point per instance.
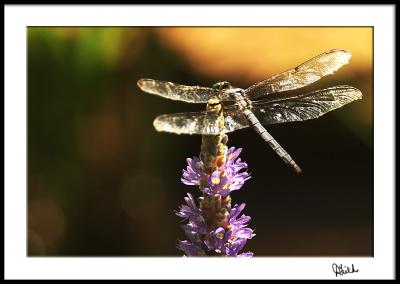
(256, 125)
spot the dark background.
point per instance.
(103, 182)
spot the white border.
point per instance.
(17, 265)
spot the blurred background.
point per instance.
(103, 182)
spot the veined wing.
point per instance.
(303, 75)
(201, 122)
(296, 108)
(305, 106)
(172, 91)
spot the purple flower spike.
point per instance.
(215, 227)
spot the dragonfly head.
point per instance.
(222, 85)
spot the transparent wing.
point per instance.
(201, 122)
(296, 108)
(303, 75)
(305, 106)
(172, 91)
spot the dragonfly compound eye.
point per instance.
(222, 85)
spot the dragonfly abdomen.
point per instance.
(256, 125)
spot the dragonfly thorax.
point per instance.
(237, 94)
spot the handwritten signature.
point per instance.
(343, 269)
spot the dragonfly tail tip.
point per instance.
(297, 169)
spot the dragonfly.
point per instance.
(263, 103)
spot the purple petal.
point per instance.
(233, 153)
(245, 233)
(242, 220)
(191, 202)
(193, 172)
(245, 254)
(236, 246)
(193, 237)
(190, 249)
(236, 210)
